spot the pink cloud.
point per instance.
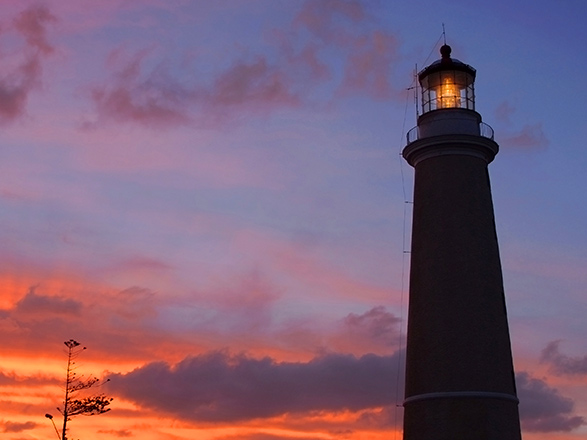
(308, 60)
(31, 23)
(141, 321)
(258, 82)
(249, 312)
(17, 83)
(254, 83)
(150, 98)
(530, 137)
(43, 320)
(320, 17)
(504, 112)
(154, 97)
(74, 17)
(561, 364)
(368, 68)
(120, 102)
(369, 54)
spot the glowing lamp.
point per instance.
(447, 83)
(449, 94)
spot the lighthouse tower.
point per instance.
(459, 373)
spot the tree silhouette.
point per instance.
(73, 403)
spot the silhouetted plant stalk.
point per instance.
(74, 384)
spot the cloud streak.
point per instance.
(32, 303)
(12, 379)
(13, 427)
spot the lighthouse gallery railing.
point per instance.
(485, 130)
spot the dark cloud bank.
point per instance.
(217, 387)
(542, 408)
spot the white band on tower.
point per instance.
(461, 394)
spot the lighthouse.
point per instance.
(460, 381)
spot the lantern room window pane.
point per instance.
(447, 89)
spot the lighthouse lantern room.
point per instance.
(447, 83)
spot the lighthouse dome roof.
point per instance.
(446, 63)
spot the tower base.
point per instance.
(466, 418)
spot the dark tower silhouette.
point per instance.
(459, 375)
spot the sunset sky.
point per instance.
(209, 195)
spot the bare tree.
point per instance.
(73, 403)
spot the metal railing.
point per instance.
(413, 134)
(485, 130)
